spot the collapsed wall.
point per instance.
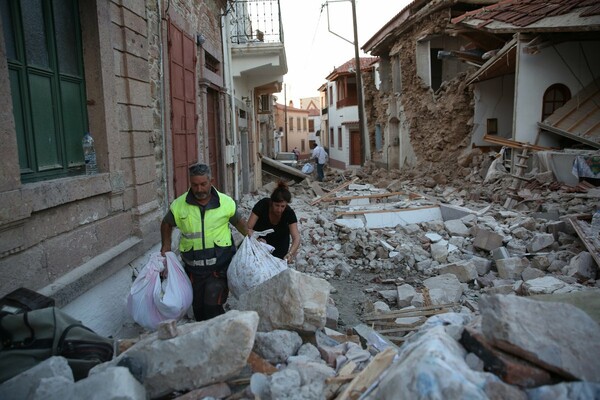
(436, 124)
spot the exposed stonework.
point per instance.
(438, 123)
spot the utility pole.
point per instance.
(285, 119)
(359, 89)
(364, 139)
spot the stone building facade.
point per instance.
(152, 82)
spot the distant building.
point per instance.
(292, 122)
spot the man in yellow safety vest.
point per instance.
(203, 215)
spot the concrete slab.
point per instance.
(352, 223)
(402, 217)
(359, 202)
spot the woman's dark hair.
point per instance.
(281, 193)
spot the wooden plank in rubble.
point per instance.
(584, 232)
(514, 144)
(368, 375)
(337, 189)
(411, 196)
(412, 312)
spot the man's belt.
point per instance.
(200, 263)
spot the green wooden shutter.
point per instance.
(44, 56)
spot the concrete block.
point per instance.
(487, 240)
(352, 223)
(556, 227)
(13, 207)
(450, 212)
(500, 253)
(510, 268)
(144, 169)
(34, 276)
(132, 117)
(404, 217)
(12, 240)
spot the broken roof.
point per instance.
(412, 14)
(348, 67)
(579, 118)
(534, 15)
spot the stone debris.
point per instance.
(407, 285)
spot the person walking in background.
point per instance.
(296, 153)
(275, 213)
(320, 156)
(203, 214)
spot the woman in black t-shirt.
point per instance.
(275, 213)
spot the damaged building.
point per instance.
(456, 75)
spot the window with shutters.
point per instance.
(45, 67)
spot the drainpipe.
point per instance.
(162, 104)
(230, 92)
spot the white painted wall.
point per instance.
(336, 118)
(494, 98)
(565, 63)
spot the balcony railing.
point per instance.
(256, 21)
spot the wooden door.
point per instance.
(355, 149)
(182, 67)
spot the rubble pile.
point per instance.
(474, 300)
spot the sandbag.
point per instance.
(31, 337)
(252, 265)
(152, 300)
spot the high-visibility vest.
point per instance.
(199, 233)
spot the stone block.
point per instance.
(112, 383)
(555, 228)
(406, 293)
(511, 268)
(134, 118)
(277, 346)
(532, 273)
(13, 208)
(482, 265)
(465, 271)
(171, 365)
(14, 275)
(543, 285)
(444, 289)
(57, 192)
(540, 241)
(23, 386)
(13, 240)
(302, 309)
(582, 266)
(487, 240)
(456, 228)
(520, 326)
(65, 252)
(500, 253)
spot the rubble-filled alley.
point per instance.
(411, 284)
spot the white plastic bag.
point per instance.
(252, 264)
(308, 168)
(147, 302)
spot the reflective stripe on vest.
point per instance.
(216, 224)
